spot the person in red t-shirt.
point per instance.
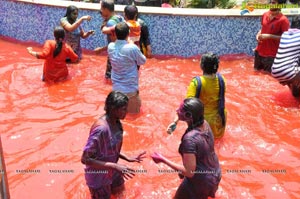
(55, 53)
(274, 23)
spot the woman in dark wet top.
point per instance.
(200, 164)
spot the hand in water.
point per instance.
(171, 127)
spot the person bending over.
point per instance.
(286, 66)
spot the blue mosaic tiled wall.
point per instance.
(170, 35)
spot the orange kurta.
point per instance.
(55, 68)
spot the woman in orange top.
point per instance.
(55, 53)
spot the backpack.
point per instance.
(221, 107)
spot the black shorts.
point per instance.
(263, 63)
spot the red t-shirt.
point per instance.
(276, 26)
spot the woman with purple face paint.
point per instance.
(200, 164)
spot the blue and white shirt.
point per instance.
(124, 58)
(286, 63)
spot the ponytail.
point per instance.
(59, 34)
(58, 47)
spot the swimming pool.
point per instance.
(44, 128)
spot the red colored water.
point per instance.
(45, 127)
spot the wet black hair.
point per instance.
(108, 4)
(209, 63)
(59, 34)
(281, 1)
(295, 22)
(69, 11)
(122, 30)
(115, 100)
(131, 12)
(194, 109)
